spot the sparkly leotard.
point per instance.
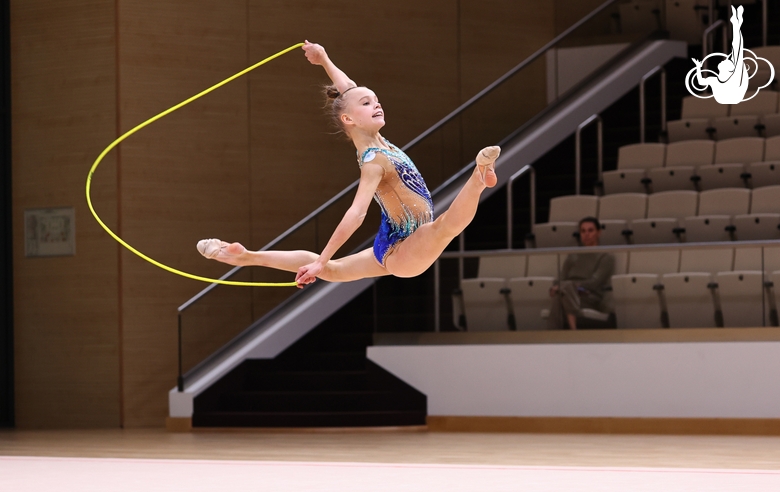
(403, 197)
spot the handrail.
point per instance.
(611, 248)
(649, 74)
(764, 21)
(510, 201)
(538, 53)
(578, 149)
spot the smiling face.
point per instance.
(363, 111)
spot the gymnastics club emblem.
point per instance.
(730, 83)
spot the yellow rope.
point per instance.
(150, 121)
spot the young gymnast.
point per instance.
(409, 239)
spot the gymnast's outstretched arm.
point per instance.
(370, 176)
(317, 56)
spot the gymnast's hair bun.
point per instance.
(332, 92)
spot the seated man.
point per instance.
(582, 281)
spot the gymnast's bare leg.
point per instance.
(410, 258)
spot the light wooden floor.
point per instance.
(405, 447)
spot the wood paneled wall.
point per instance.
(63, 67)
(96, 333)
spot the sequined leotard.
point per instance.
(403, 197)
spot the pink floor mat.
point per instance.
(23, 474)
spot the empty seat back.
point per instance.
(747, 259)
(695, 107)
(690, 153)
(572, 208)
(707, 260)
(725, 201)
(544, 265)
(672, 204)
(484, 305)
(657, 262)
(621, 262)
(502, 266)
(626, 206)
(772, 261)
(744, 149)
(764, 102)
(765, 200)
(641, 156)
(772, 149)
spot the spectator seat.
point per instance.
(690, 298)
(763, 221)
(531, 293)
(633, 163)
(565, 214)
(635, 295)
(744, 118)
(695, 123)
(615, 213)
(484, 303)
(741, 291)
(681, 161)
(728, 169)
(716, 207)
(664, 212)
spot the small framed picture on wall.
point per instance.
(49, 232)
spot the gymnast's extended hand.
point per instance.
(317, 56)
(307, 274)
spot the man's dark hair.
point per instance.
(592, 220)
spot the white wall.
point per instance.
(566, 67)
(662, 380)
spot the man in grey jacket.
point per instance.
(583, 279)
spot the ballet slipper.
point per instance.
(210, 248)
(486, 160)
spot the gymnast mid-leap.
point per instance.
(409, 239)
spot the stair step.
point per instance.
(306, 380)
(313, 401)
(327, 361)
(309, 419)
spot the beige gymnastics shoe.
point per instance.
(486, 160)
(210, 248)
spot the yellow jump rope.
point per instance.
(150, 121)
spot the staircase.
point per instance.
(324, 380)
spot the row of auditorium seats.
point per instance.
(695, 165)
(651, 288)
(727, 214)
(706, 118)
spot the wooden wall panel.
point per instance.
(183, 179)
(63, 99)
(496, 36)
(567, 12)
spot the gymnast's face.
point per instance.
(363, 111)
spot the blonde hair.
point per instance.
(336, 105)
